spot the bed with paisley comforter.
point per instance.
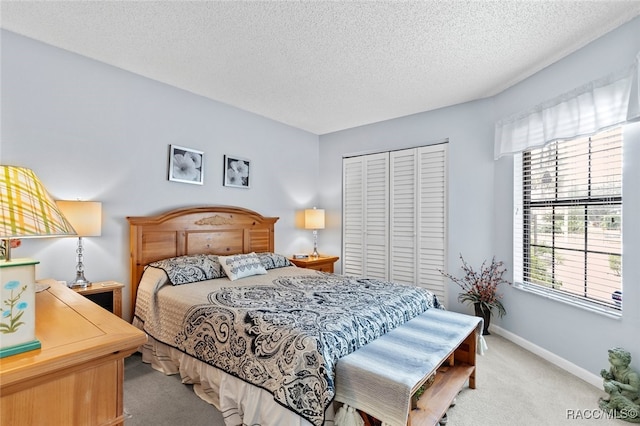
(258, 337)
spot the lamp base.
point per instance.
(79, 282)
(315, 253)
(18, 349)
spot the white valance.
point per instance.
(600, 104)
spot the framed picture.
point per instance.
(186, 165)
(236, 171)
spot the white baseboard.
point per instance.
(579, 372)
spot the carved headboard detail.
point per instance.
(220, 230)
(215, 220)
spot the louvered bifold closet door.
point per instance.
(366, 216)
(432, 218)
(376, 216)
(353, 216)
(403, 220)
(395, 216)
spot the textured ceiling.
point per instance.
(324, 66)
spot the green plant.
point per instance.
(481, 287)
(615, 264)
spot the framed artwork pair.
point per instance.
(186, 165)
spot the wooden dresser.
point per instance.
(77, 377)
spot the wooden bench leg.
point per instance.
(369, 420)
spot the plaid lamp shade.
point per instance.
(26, 208)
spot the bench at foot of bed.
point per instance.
(381, 377)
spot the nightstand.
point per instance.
(107, 294)
(320, 263)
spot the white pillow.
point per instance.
(241, 265)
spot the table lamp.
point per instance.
(86, 219)
(314, 219)
(26, 211)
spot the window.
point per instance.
(568, 224)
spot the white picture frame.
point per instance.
(186, 165)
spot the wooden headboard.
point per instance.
(209, 229)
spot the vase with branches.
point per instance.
(480, 288)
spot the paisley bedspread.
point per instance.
(287, 334)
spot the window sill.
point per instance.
(575, 302)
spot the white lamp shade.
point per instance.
(314, 219)
(84, 216)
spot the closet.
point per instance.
(395, 216)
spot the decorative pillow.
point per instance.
(273, 260)
(241, 265)
(190, 269)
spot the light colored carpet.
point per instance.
(514, 386)
(153, 398)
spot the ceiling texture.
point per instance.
(324, 66)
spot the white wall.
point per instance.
(481, 199)
(95, 132)
(469, 129)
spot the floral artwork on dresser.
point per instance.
(17, 307)
(13, 307)
(186, 165)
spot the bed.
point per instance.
(258, 337)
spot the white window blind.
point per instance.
(568, 220)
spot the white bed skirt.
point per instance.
(239, 402)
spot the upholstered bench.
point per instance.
(398, 363)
